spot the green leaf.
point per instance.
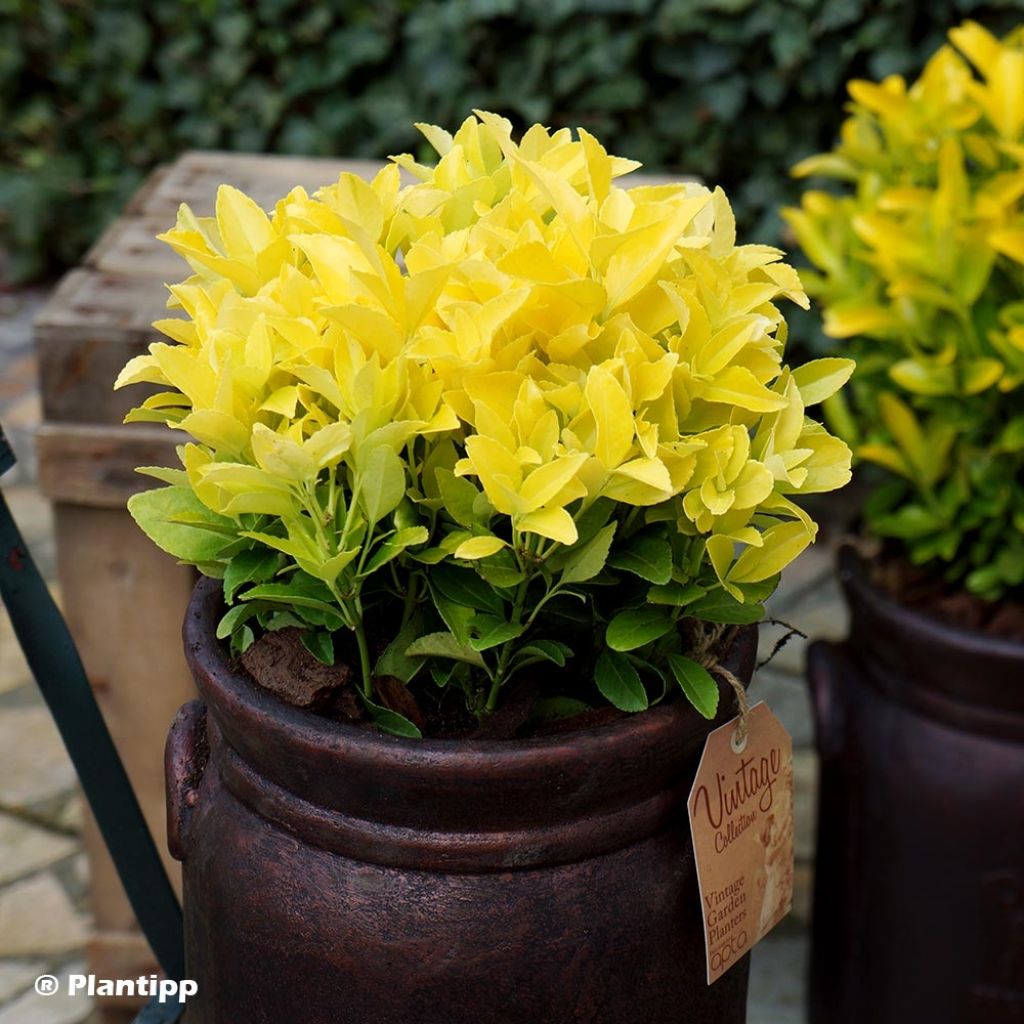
(501, 572)
(253, 566)
(457, 496)
(697, 683)
(551, 708)
(546, 650)
(619, 682)
(155, 511)
(465, 587)
(648, 556)
(720, 607)
(394, 546)
(676, 594)
(390, 721)
(241, 640)
(457, 617)
(493, 631)
(320, 645)
(443, 645)
(234, 617)
(635, 627)
(394, 661)
(380, 483)
(295, 595)
(586, 563)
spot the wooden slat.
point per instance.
(93, 324)
(86, 464)
(135, 205)
(194, 177)
(124, 600)
(129, 247)
(120, 954)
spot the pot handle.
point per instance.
(185, 758)
(825, 663)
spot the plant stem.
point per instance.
(409, 605)
(506, 650)
(364, 660)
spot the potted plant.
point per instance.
(490, 478)
(918, 264)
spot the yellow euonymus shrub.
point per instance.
(919, 263)
(494, 385)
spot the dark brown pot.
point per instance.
(919, 891)
(334, 875)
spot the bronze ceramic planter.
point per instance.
(333, 874)
(919, 890)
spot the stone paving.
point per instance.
(44, 916)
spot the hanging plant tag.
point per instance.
(741, 820)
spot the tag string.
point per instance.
(706, 642)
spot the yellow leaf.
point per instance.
(821, 378)
(553, 523)
(738, 386)
(280, 456)
(613, 414)
(781, 544)
(1010, 242)
(479, 547)
(244, 228)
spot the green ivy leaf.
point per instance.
(635, 627)
(697, 683)
(619, 682)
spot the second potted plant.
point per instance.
(920, 266)
(491, 476)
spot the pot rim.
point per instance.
(928, 628)
(201, 644)
(959, 676)
(530, 801)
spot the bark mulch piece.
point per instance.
(280, 663)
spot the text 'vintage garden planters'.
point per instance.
(337, 874)
(919, 888)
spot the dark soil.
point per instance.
(915, 587)
(280, 663)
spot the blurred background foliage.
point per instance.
(94, 94)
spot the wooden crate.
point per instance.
(123, 598)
